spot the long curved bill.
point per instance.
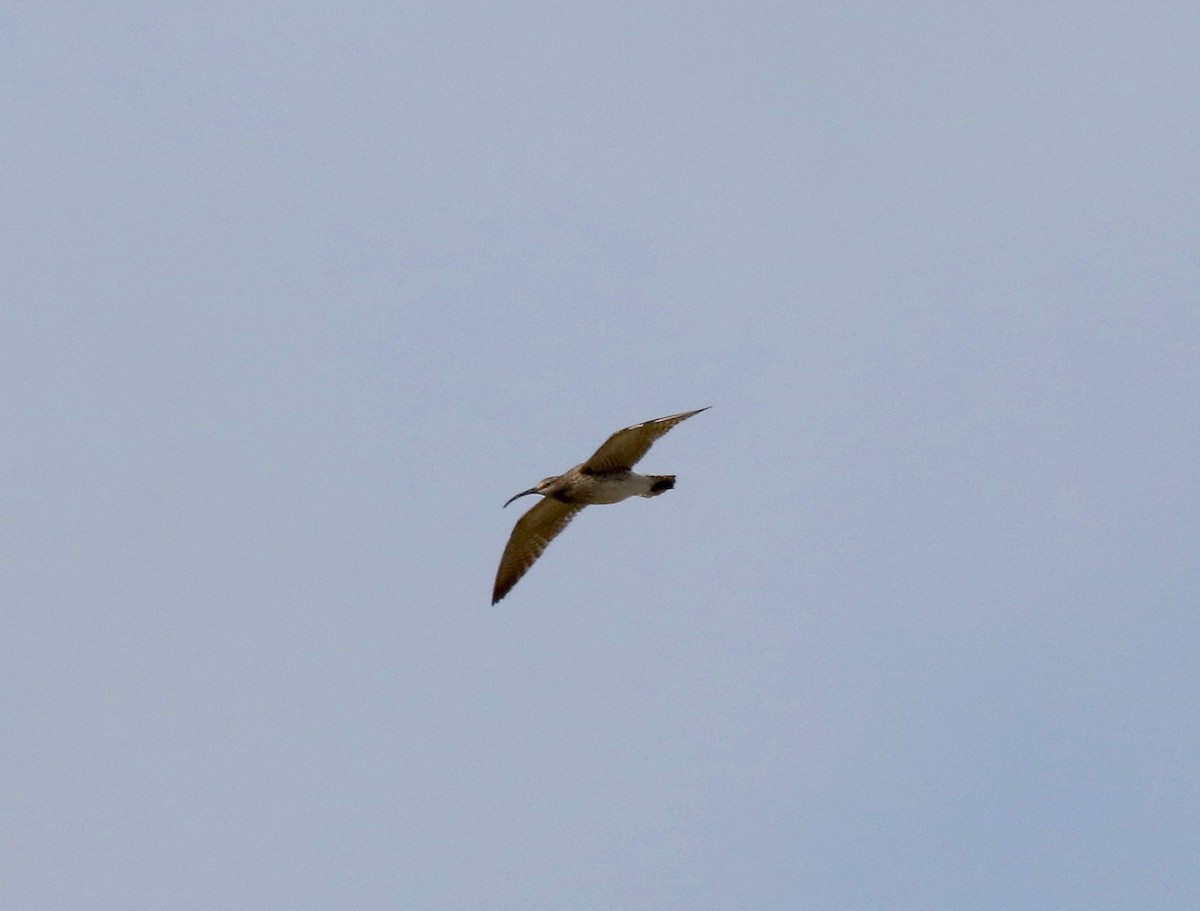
(523, 493)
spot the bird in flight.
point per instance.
(606, 477)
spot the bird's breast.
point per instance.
(605, 487)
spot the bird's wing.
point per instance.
(529, 538)
(625, 447)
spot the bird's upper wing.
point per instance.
(529, 538)
(625, 447)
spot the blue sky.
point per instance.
(299, 295)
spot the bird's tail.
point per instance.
(659, 483)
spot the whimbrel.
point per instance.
(607, 477)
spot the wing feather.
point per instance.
(626, 447)
(529, 538)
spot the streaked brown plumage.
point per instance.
(606, 477)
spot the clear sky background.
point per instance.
(296, 295)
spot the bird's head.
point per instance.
(540, 488)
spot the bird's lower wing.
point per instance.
(625, 447)
(529, 538)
